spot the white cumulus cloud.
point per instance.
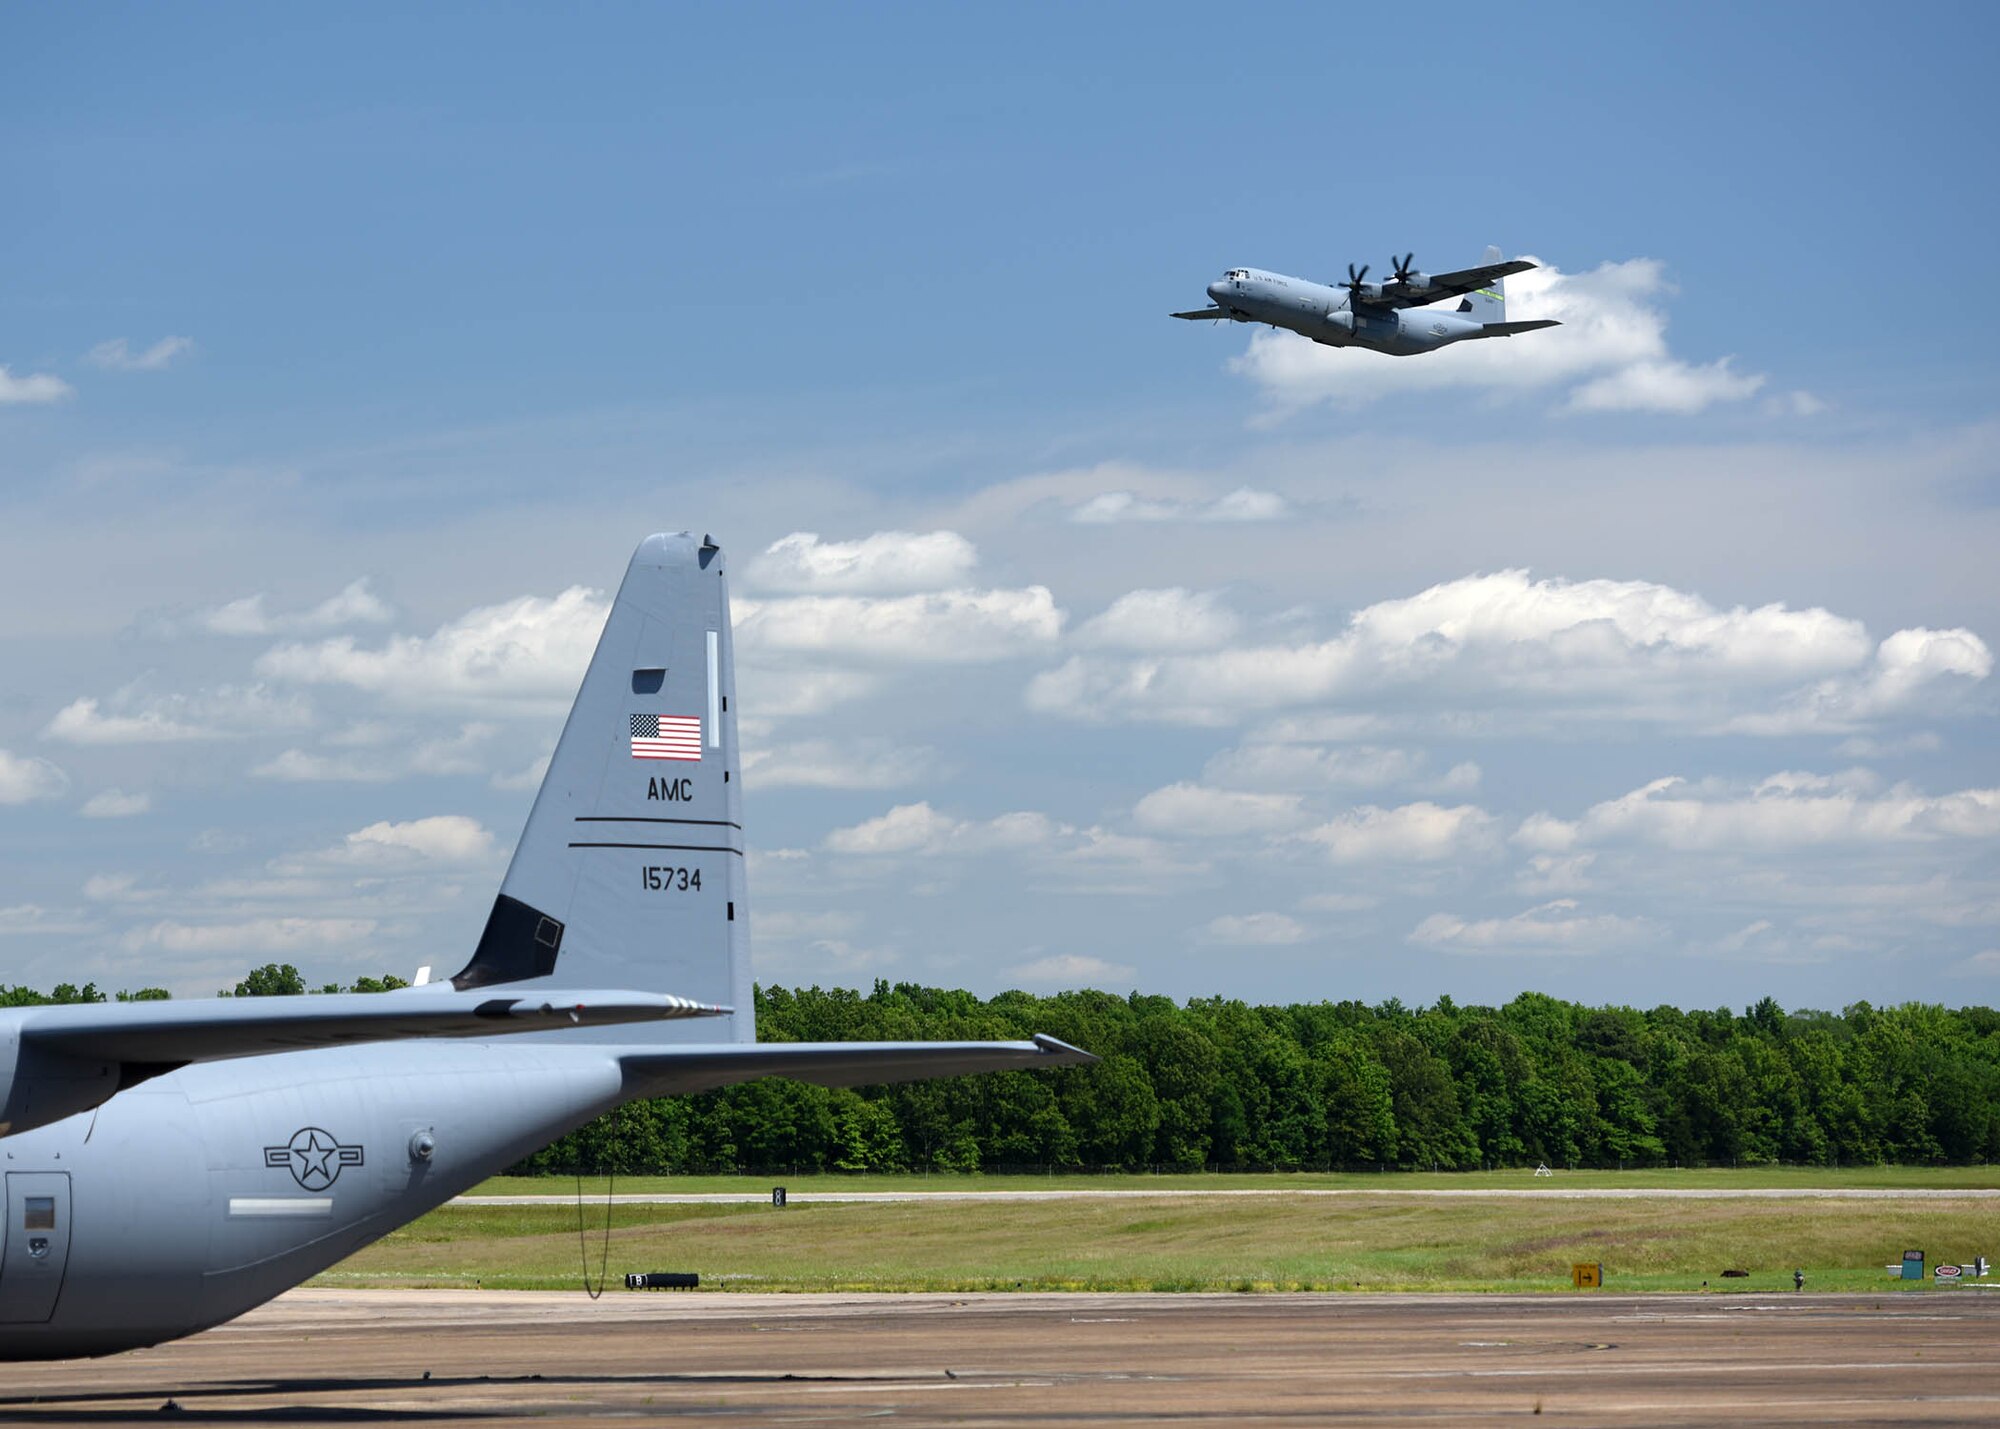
(938, 627)
(134, 716)
(373, 754)
(1243, 504)
(1091, 858)
(24, 779)
(299, 766)
(117, 354)
(1507, 644)
(1547, 873)
(1277, 764)
(1786, 811)
(260, 937)
(118, 888)
(1611, 352)
(1677, 387)
(844, 764)
(115, 804)
(442, 840)
(883, 562)
(29, 920)
(82, 721)
(1915, 668)
(1422, 832)
(918, 828)
(1985, 963)
(1266, 930)
(1197, 811)
(355, 604)
(1170, 619)
(1340, 902)
(1069, 970)
(36, 387)
(1552, 928)
(530, 652)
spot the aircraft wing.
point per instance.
(1451, 285)
(172, 1033)
(1209, 313)
(668, 1070)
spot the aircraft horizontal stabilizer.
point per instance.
(172, 1033)
(1509, 329)
(671, 1070)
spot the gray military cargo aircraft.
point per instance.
(169, 1165)
(1395, 317)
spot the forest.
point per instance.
(1217, 1083)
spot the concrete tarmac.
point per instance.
(462, 1357)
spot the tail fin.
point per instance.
(629, 874)
(1489, 304)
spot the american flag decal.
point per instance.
(657, 736)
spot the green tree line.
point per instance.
(1216, 1082)
(271, 980)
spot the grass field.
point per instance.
(1363, 1243)
(1748, 1178)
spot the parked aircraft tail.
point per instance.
(1488, 304)
(629, 873)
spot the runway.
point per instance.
(452, 1357)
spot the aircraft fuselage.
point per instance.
(1329, 316)
(183, 1202)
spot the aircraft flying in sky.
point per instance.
(170, 1165)
(1396, 317)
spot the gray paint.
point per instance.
(577, 861)
(298, 1130)
(1396, 318)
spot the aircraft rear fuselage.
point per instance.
(182, 1203)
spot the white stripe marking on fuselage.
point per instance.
(286, 1207)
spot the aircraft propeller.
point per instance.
(1354, 284)
(1401, 266)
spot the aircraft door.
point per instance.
(34, 1245)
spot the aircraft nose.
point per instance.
(1216, 290)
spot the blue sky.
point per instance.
(459, 303)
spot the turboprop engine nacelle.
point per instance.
(37, 1088)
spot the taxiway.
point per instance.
(456, 1357)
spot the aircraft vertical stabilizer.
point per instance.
(629, 873)
(1489, 304)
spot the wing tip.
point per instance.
(1056, 1047)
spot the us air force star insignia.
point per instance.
(313, 1157)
